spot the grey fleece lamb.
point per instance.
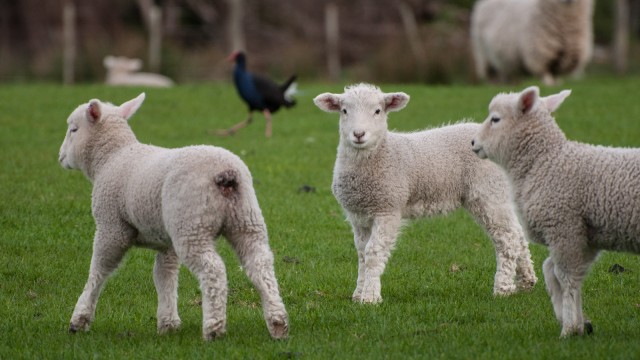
(545, 38)
(176, 201)
(575, 198)
(381, 177)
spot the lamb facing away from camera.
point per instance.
(382, 177)
(176, 201)
(576, 199)
(123, 71)
(545, 38)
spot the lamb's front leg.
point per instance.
(256, 257)
(108, 251)
(165, 277)
(361, 235)
(377, 251)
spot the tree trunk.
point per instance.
(621, 36)
(69, 39)
(332, 29)
(236, 32)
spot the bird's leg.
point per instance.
(232, 130)
(267, 129)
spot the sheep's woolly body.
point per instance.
(176, 201)
(546, 38)
(395, 176)
(575, 198)
(123, 71)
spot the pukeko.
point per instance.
(259, 93)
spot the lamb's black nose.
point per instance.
(473, 142)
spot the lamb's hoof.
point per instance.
(356, 297)
(169, 326)
(371, 299)
(278, 328)
(526, 284)
(213, 330)
(505, 290)
(588, 328)
(81, 323)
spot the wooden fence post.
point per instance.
(621, 36)
(413, 36)
(155, 38)
(332, 30)
(69, 42)
(236, 33)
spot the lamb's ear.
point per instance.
(328, 102)
(129, 108)
(395, 101)
(553, 102)
(528, 99)
(94, 111)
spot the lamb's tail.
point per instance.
(227, 182)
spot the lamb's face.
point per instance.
(511, 114)
(78, 132)
(363, 113)
(493, 139)
(363, 120)
(81, 128)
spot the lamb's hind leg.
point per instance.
(165, 277)
(197, 252)
(501, 224)
(252, 247)
(377, 251)
(570, 268)
(553, 287)
(107, 255)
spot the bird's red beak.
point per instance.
(233, 56)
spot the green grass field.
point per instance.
(429, 311)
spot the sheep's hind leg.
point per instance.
(553, 287)
(198, 254)
(361, 237)
(107, 255)
(377, 251)
(498, 222)
(526, 277)
(570, 268)
(256, 257)
(165, 277)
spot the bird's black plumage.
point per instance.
(259, 93)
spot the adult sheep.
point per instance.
(176, 201)
(382, 177)
(545, 38)
(576, 199)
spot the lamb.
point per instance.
(545, 38)
(175, 201)
(382, 177)
(574, 198)
(124, 71)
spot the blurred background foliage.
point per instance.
(280, 37)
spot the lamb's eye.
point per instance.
(377, 111)
(344, 111)
(495, 119)
(73, 130)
